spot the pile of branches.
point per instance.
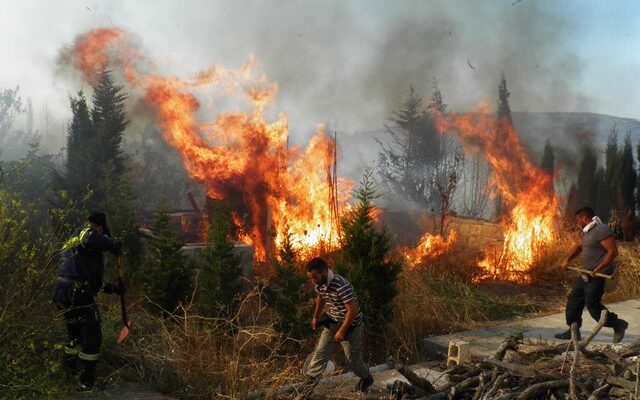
(537, 372)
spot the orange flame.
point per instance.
(530, 226)
(429, 248)
(239, 156)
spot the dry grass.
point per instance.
(626, 279)
(195, 357)
(440, 299)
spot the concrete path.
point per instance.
(122, 391)
(484, 342)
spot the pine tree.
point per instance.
(366, 261)
(406, 164)
(548, 160)
(601, 190)
(80, 173)
(504, 109)
(220, 281)
(628, 177)
(285, 293)
(611, 195)
(586, 188)
(109, 119)
(638, 180)
(504, 122)
(572, 203)
(167, 276)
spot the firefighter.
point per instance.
(78, 281)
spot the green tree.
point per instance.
(548, 160)
(95, 163)
(628, 177)
(285, 293)
(638, 180)
(504, 123)
(80, 173)
(601, 189)
(405, 164)
(572, 203)
(611, 195)
(220, 281)
(167, 276)
(109, 120)
(586, 185)
(504, 109)
(366, 261)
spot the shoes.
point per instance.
(88, 375)
(566, 335)
(364, 384)
(618, 331)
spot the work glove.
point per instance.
(113, 288)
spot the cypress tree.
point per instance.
(628, 177)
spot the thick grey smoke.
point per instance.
(347, 64)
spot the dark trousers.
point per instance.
(82, 319)
(588, 294)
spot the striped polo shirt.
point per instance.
(336, 293)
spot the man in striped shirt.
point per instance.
(343, 324)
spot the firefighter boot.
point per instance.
(70, 363)
(88, 376)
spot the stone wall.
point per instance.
(476, 234)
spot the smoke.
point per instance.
(349, 64)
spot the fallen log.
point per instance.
(621, 383)
(532, 392)
(416, 380)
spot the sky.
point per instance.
(349, 64)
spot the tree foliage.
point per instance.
(220, 280)
(286, 292)
(366, 261)
(167, 273)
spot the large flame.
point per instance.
(429, 247)
(238, 156)
(524, 187)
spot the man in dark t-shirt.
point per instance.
(598, 250)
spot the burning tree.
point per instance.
(238, 156)
(523, 186)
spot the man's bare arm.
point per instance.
(352, 311)
(575, 250)
(320, 302)
(612, 252)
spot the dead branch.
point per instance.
(600, 393)
(621, 383)
(603, 319)
(532, 392)
(576, 353)
(510, 343)
(416, 380)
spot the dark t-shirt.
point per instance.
(592, 251)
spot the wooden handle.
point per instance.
(585, 271)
